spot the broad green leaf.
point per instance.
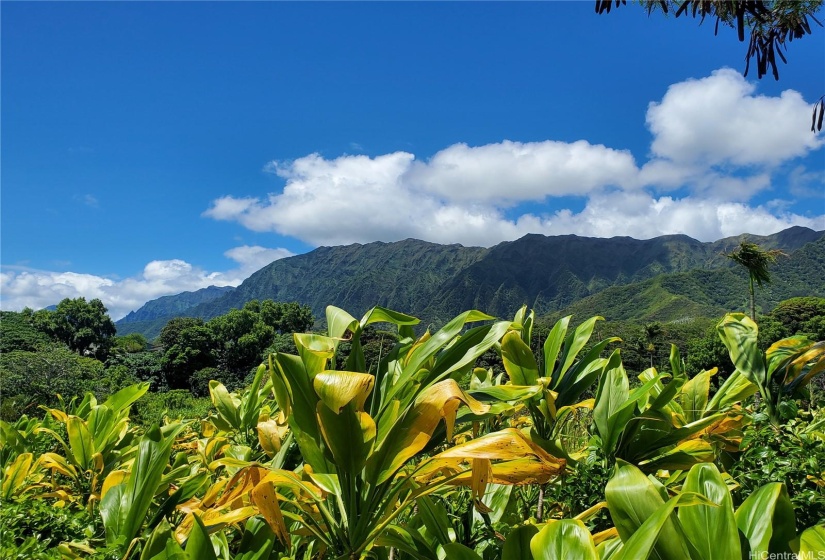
(573, 344)
(565, 539)
(455, 551)
(650, 538)
(198, 545)
(228, 405)
(711, 529)
(302, 420)
(736, 388)
(519, 361)
(681, 456)
(80, 441)
(507, 393)
(517, 545)
(156, 544)
(350, 436)
(339, 322)
(384, 315)
(812, 542)
(257, 542)
(467, 348)
(694, 395)
(435, 519)
(408, 541)
(250, 406)
(767, 519)
(126, 396)
(633, 499)
(611, 397)
(738, 333)
(552, 345)
(124, 508)
(421, 353)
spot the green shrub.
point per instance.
(178, 403)
(789, 454)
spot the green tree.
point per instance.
(191, 351)
(83, 326)
(130, 343)
(652, 332)
(801, 315)
(756, 261)
(35, 378)
(18, 332)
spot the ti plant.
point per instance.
(249, 419)
(785, 368)
(698, 523)
(362, 436)
(99, 439)
(553, 387)
(667, 426)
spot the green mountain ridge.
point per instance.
(664, 278)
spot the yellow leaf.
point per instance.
(517, 461)
(114, 478)
(338, 388)
(242, 484)
(56, 463)
(415, 428)
(482, 473)
(265, 498)
(270, 434)
(599, 538)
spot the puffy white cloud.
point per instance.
(515, 171)
(38, 288)
(718, 120)
(712, 137)
(643, 216)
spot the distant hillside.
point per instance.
(706, 293)
(151, 318)
(171, 305)
(435, 282)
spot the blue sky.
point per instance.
(151, 148)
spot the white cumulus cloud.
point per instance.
(39, 288)
(718, 120)
(714, 138)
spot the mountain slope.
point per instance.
(707, 293)
(398, 275)
(435, 282)
(171, 305)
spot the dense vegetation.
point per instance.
(373, 439)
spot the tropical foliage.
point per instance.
(357, 443)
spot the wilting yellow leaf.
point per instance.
(56, 463)
(213, 520)
(514, 460)
(415, 428)
(482, 473)
(265, 498)
(242, 484)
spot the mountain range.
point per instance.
(666, 278)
